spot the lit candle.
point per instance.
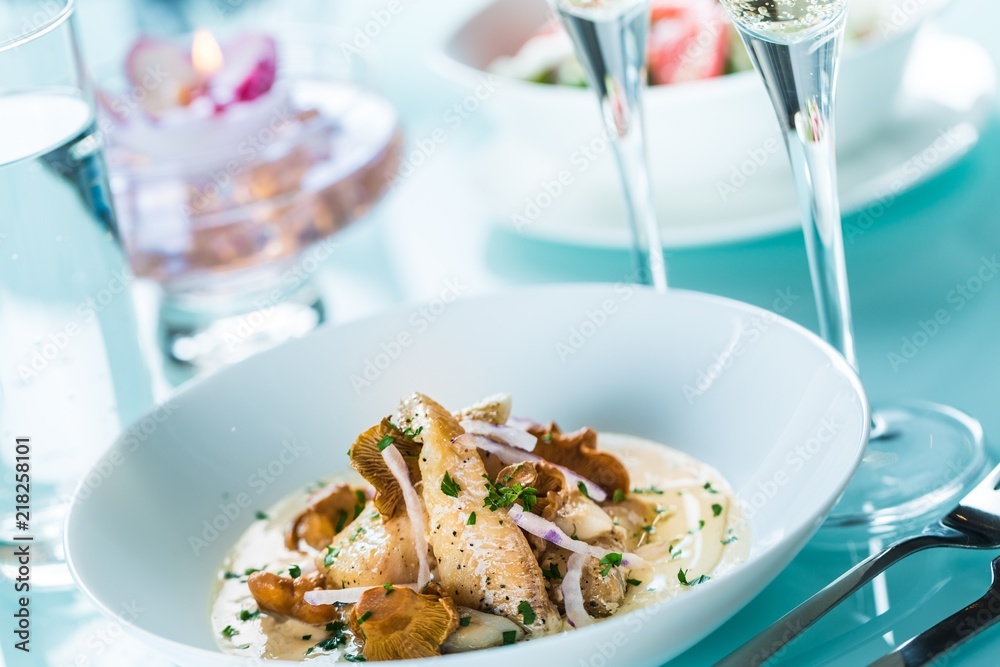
(205, 101)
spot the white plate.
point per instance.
(783, 418)
(946, 98)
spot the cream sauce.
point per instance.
(695, 527)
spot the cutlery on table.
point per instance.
(948, 634)
(973, 524)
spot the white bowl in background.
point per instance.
(767, 403)
(725, 119)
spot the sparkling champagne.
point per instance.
(784, 20)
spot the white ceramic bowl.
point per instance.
(695, 131)
(776, 410)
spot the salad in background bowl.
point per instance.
(705, 111)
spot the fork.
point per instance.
(949, 633)
(973, 524)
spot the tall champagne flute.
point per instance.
(609, 37)
(921, 455)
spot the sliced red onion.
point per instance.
(512, 436)
(572, 591)
(522, 423)
(414, 510)
(550, 532)
(511, 455)
(344, 595)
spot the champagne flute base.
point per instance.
(921, 458)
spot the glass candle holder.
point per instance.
(234, 229)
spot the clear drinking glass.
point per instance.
(921, 456)
(609, 37)
(71, 370)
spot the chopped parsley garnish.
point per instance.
(701, 524)
(547, 437)
(609, 561)
(330, 555)
(341, 521)
(410, 433)
(305, 637)
(618, 496)
(295, 571)
(364, 617)
(384, 442)
(388, 587)
(682, 577)
(501, 495)
(355, 657)
(552, 573)
(357, 533)
(649, 529)
(250, 570)
(716, 509)
(583, 488)
(633, 582)
(359, 506)
(315, 486)
(472, 519)
(674, 552)
(509, 637)
(336, 638)
(449, 487)
(464, 621)
(231, 575)
(526, 612)
(260, 515)
(649, 489)
(708, 487)
(729, 540)
(246, 615)
(229, 632)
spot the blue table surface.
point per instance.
(928, 241)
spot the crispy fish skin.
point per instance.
(488, 565)
(372, 551)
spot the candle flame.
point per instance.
(206, 54)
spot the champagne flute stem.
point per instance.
(612, 49)
(800, 78)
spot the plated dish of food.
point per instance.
(467, 530)
(689, 40)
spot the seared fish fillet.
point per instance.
(487, 565)
(371, 551)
